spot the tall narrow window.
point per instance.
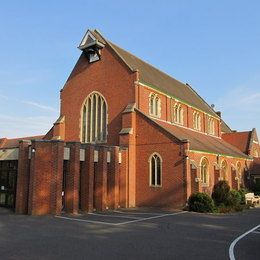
(256, 153)
(94, 119)
(204, 171)
(224, 170)
(211, 126)
(154, 105)
(155, 168)
(196, 121)
(178, 114)
(239, 175)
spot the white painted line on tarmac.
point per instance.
(112, 216)
(136, 213)
(154, 217)
(121, 223)
(231, 248)
(84, 220)
(256, 232)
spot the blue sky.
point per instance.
(212, 45)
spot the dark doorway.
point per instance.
(65, 170)
(8, 176)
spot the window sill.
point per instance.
(155, 116)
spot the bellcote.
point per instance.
(91, 46)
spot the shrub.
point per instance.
(221, 193)
(201, 202)
(234, 198)
(243, 195)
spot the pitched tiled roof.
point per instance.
(12, 143)
(158, 79)
(241, 140)
(225, 128)
(199, 141)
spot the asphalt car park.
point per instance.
(131, 234)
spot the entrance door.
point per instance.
(8, 175)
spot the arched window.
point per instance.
(256, 153)
(239, 175)
(178, 114)
(204, 171)
(94, 119)
(224, 170)
(154, 105)
(196, 121)
(155, 168)
(211, 126)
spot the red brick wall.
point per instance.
(172, 192)
(214, 171)
(109, 77)
(73, 179)
(87, 180)
(45, 186)
(167, 111)
(23, 177)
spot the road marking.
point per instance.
(154, 217)
(84, 220)
(256, 232)
(231, 248)
(121, 223)
(111, 216)
(137, 213)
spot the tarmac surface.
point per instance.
(131, 234)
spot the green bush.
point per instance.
(201, 202)
(221, 193)
(234, 198)
(243, 195)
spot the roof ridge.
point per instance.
(203, 100)
(170, 77)
(148, 63)
(238, 132)
(159, 70)
(137, 58)
(20, 138)
(111, 45)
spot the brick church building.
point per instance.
(128, 135)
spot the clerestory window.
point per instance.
(154, 105)
(196, 121)
(178, 114)
(211, 126)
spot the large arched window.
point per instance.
(154, 105)
(178, 114)
(155, 168)
(204, 171)
(196, 121)
(224, 170)
(94, 119)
